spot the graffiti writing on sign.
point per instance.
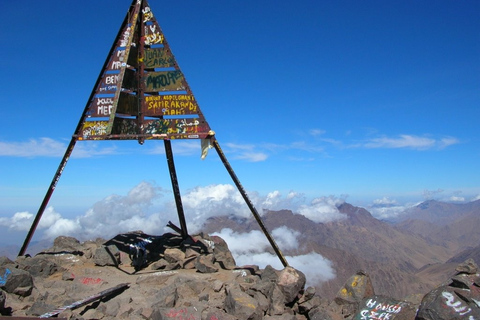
(107, 89)
(379, 310)
(173, 126)
(94, 128)
(456, 305)
(147, 14)
(117, 60)
(124, 39)
(152, 36)
(111, 79)
(171, 104)
(3, 279)
(103, 106)
(91, 281)
(164, 81)
(158, 58)
(180, 314)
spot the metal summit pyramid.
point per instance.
(141, 94)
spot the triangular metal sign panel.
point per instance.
(141, 92)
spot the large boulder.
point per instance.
(16, 281)
(223, 256)
(64, 244)
(355, 289)
(459, 298)
(205, 264)
(291, 282)
(382, 307)
(39, 266)
(241, 305)
(107, 256)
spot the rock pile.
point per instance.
(137, 276)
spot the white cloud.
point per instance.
(476, 198)
(384, 202)
(388, 212)
(286, 238)
(249, 248)
(316, 268)
(316, 132)
(41, 147)
(51, 223)
(276, 201)
(244, 243)
(47, 147)
(456, 199)
(409, 142)
(202, 203)
(20, 221)
(388, 209)
(246, 152)
(88, 149)
(445, 142)
(322, 210)
(403, 141)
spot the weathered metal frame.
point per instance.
(136, 7)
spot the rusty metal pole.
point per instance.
(73, 141)
(46, 199)
(249, 203)
(176, 189)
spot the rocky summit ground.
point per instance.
(138, 276)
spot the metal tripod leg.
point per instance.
(249, 203)
(50, 190)
(176, 189)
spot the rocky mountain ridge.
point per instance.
(138, 276)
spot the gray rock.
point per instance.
(39, 308)
(164, 297)
(176, 313)
(241, 305)
(39, 266)
(281, 317)
(306, 306)
(383, 307)
(204, 264)
(456, 299)
(320, 314)
(107, 256)
(291, 282)
(219, 314)
(355, 289)
(3, 298)
(469, 267)
(4, 261)
(223, 256)
(277, 301)
(174, 255)
(16, 281)
(269, 274)
(66, 244)
(447, 303)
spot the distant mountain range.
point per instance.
(409, 256)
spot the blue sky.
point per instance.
(373, 102)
